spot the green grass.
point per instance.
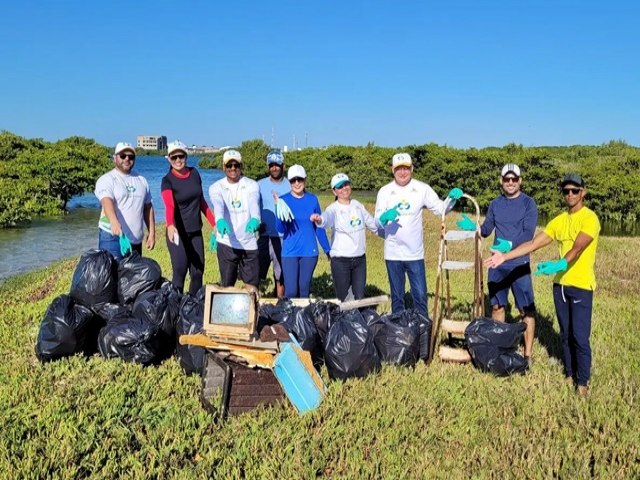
(97, 418)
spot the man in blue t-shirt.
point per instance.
(270, 242)
(514, 216)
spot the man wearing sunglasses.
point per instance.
(576, 232)
(514, 216)
(126, 205)
(270, 242)
(236, 207)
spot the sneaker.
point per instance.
(583, 391)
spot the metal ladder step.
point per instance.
(458, 235)
(455, 265)
(455, 355)
(456, 327)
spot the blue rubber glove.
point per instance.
(213, 243)
(389, 216)
(455, 194)
(253, 225)
(125, 245)
(551, 267)
(223, 227)
(466, 224)
(501, 245)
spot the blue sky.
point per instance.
(461, 73)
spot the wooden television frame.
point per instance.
(243, 331)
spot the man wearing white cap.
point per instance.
(236, 207)
(275, 184)
(399, 209)
(514, 216)
(126, 205)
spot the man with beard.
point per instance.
(126, 206)
(270, 242)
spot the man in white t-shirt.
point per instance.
(399, 209)
(126, 205)
(236, 207)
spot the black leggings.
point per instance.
(187, 255)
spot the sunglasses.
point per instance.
(125, 156)
(575, 191)
(232, 165)
(510, 179)
(179, 156)
(297, 180)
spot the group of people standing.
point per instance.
(275, 221)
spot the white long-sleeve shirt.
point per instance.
(237, 203)
(347, 224)
(403, 237)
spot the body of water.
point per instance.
(48, 240)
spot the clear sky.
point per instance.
(464, 73)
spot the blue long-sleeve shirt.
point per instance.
(299, 235)
(513, 219)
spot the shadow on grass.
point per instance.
(322, 287)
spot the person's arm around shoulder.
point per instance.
(539, 241)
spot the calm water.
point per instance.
(45, 241)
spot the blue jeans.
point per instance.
(573, 309)
(414, 269)
(111, 243)
(349, 272)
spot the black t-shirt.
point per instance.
(186, 199)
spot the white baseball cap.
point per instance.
(296, 171)
(231, 155)
(120, 146)
(339, 179)
(510, 168)
(175, 146)
(401, 160)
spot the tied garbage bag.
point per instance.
(153, 307)
(111, 310)
(349, 347)
(63, 329)
(189, 322)
(398, 339)
(94, 281)
(131, 339)
(137, 274)
(321, 314)
(493, 345)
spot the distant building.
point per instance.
(151, 142)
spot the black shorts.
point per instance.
(236, 263)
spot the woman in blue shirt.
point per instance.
(300, 236)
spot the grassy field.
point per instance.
(96, 418)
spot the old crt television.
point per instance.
(230, 312)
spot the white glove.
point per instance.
(283, 212)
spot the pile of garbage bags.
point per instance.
(353, 343)
(122, 310)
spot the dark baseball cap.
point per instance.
(572, 178)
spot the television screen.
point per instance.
(230, 308)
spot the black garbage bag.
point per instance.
(301, 325)
(136, 275)
(349, 347)
(131, 339)
(425, 336)
(174, 299)
(154, 308)
(493, 345)
(321, 313)
(64, 328)
(108, 311)
(94, 280)
(398, 338)
(189, 322)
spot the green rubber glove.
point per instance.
(466, 224)
(125, 245)
(551, 267)
(213, 243)
(223, 227)
(501, 245)
(253, 225)
(455, 194)
(389, 216)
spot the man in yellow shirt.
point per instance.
(576, 232)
